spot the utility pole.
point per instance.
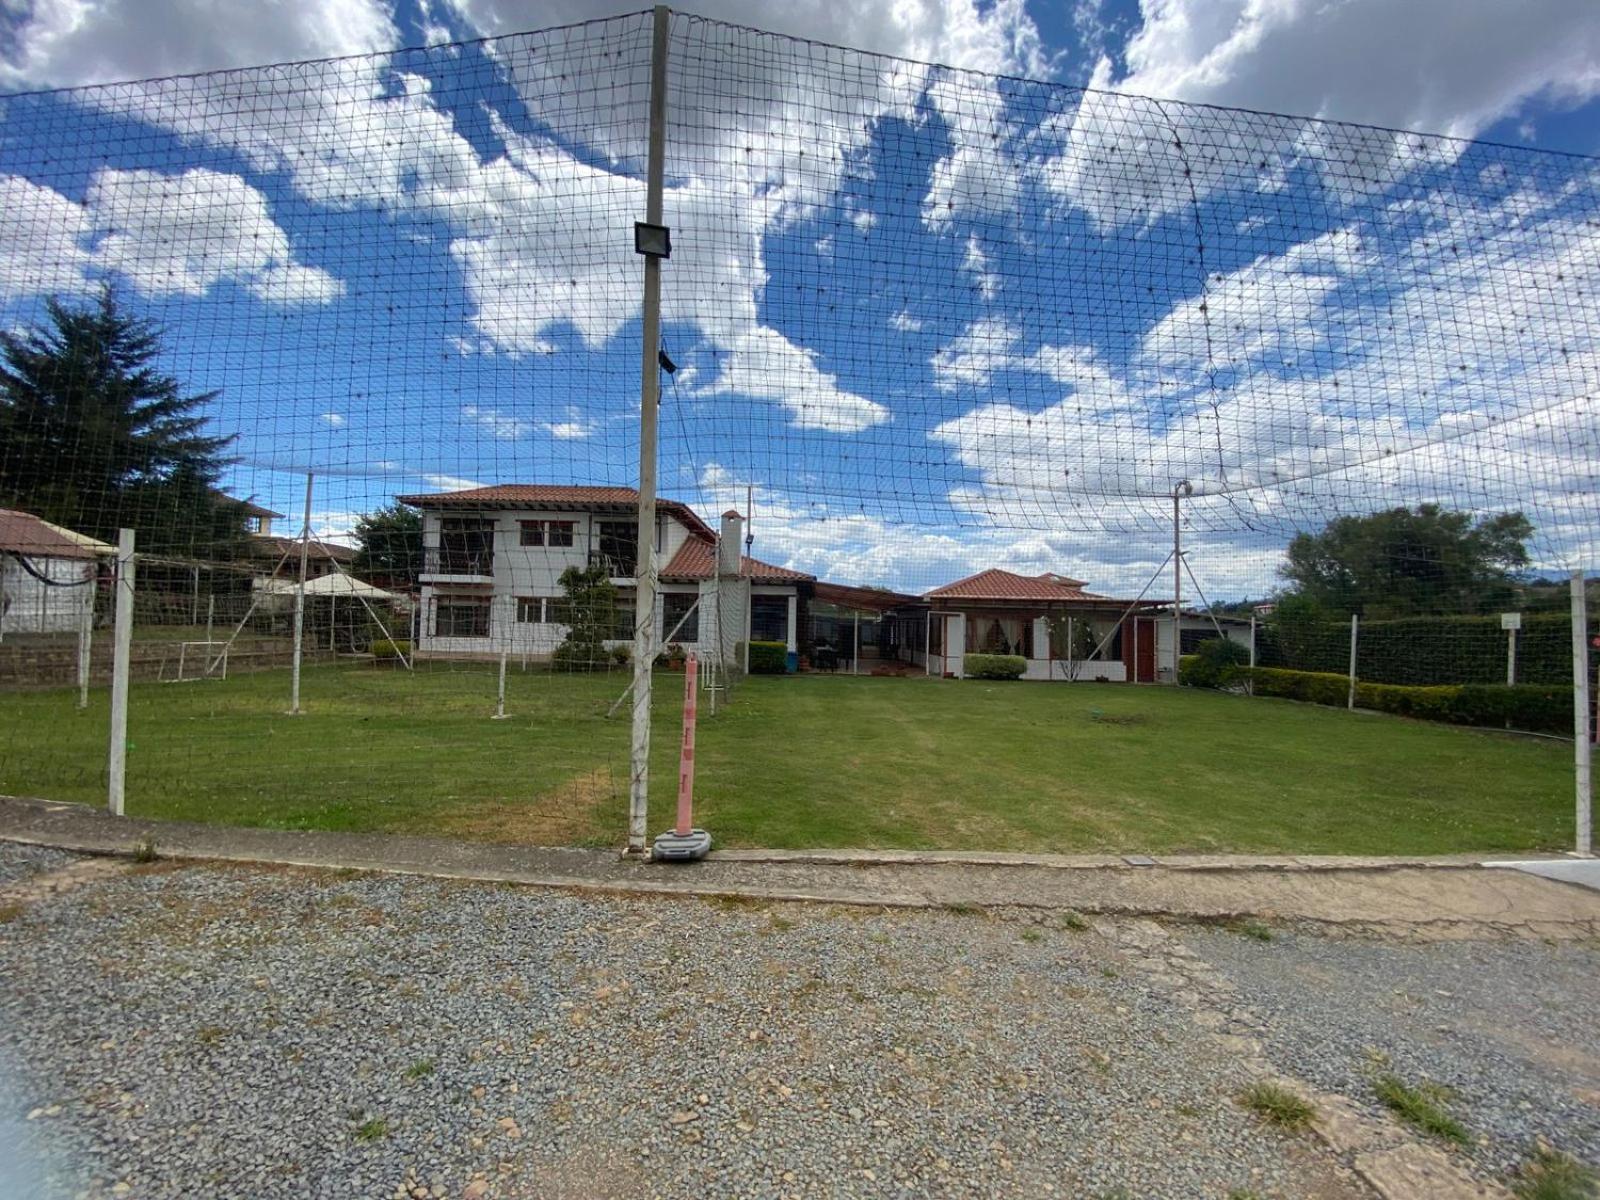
(651, 239)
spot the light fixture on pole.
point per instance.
(653, 241)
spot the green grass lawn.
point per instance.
(806, 761)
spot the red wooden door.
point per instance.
(1144, 657)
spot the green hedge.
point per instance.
(1536, 707)
(993, 666)
(768, 658)
(383, 648)
(1424, 650)
(1213, 665)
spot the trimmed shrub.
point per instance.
(622, 655)
(768, 658)
(1534, 707)
(385, 650)
(1214, 664)
(993, 666)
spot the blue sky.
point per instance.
(935, 320)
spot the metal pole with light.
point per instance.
(653, 240)
(1183, 488)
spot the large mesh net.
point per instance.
(952, 348)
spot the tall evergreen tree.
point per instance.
(94, 436)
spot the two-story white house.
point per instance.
(492, 558)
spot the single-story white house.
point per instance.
(48, 575)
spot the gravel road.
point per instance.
(204, 1031)
(198, 1031)
(1509, 1027)
(19, 863)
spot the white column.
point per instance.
(956, 650)
(792, 642)
(121, 654)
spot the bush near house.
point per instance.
(1213, 664)
(385, 649)
(768, 658)
(994, 666)
(1538, 708)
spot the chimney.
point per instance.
(728, 544)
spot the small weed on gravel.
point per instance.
(1032, 935)
(1074, 922)
(144, 851)
(1422, 1106)
(1250, 929)
(371, 1131)
(9, 913)
(1277, 1105)
(963, 908)
(1551, 1175)
(420, 1069)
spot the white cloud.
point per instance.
(1443, 66)
(41, 241)
(763, 363)
(449, 483)
(904, 322)
(1452, 368)
(186, 233)
(988, 345)
(976, 263)
(575, 428)
(165, 233)
(66, 43)
(333, 419)
(497, 424)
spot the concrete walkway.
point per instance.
(1444, 897)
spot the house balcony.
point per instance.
(448, 564)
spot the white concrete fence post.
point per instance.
(121, 654)
(1582, 747)
(1355, 628)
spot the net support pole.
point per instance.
(300, 602)
(1511, 658)
(121, 654)
(1250, 687)
(649, 402)
(1355, 629)
(1181, 489)
(85, 637)
(500, 694)
(1582, 748)
(855, 655)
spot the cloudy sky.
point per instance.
(938, 319)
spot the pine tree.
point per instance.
(95, 437)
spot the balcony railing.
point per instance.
(458, 560)
(618, 566)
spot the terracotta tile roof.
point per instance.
(272, 545)
(553, 495)
(995, 584)
(697, 559)
(23, 533)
